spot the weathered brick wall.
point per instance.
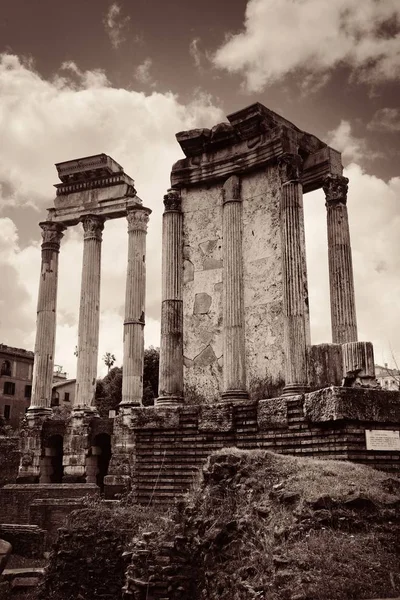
(9, 459)
(26, 540)
(169, 452)
(51, 514)
(15, 499)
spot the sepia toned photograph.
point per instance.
(200, 300)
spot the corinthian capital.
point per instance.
(335, 188)
(172, 201)
(92, 227)
(290, 167)
(138, 219)
(231, 190)
(51, 235)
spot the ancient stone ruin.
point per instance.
(237, 367)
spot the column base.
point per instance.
(234, 396)
(169, 400)
(38, 412)
(294, 389)
(84, 411)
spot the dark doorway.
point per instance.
(103, 442)
(54, 452)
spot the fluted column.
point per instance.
(341, 281)
(171, 348)
(132, 372)
(46, 320)
(89, 314)
(234, 373)
(294, 274)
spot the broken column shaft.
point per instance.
(171, 348)
(46, 319)
(132, 373)
(295, 294)
(234, 372)
(341, 281)
(89, 314)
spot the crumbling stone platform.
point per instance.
(169, 444)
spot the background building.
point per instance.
(16, 367)
(389, 379)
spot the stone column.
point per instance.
(171, 348)
(343, 306)
(89, 315)
(132, 372)
(294, 270)
(46, 320)
(234, 373)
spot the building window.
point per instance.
(66, 397)
(7, 412)
(55, 401)
(28, 391)
(9, 388)
(6, 368)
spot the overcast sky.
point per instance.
(89, 76)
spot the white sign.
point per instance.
(382, 439)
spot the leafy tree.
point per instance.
(109, 389)
(109, 360)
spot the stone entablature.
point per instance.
(253, 138)
(95, 185)
(93, 190)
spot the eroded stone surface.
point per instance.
(202, 303)
(359, 404)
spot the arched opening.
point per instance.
(99, 459)
(51, 468)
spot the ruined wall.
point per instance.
(202, 285)
(171, 445)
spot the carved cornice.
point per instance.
(92, 227)
(254, 138)
(74, 187)
(173, 201)
(290, 167)
(335, 188)
(138, 219)
(231, 190)
(51, 235)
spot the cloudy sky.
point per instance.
(89, 76)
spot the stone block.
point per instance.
(216, 417)
(5, 552)
(352, 404)
(324, 365)
(154, 418)
(272, 413)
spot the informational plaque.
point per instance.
(382, 439)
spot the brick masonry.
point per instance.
(170, 452)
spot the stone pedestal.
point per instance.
(30, 445)
(234, 373)
(295, 289)
(359, 365)
(89, 315)
(343, 307)
(132, 378)
(46, 320)
(171, 349)
(76, 447)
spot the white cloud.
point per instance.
(385, 120)
(79, 114)
(342, 139)
(116, 25)
(314, 37)
(142, 73)
(195, 52)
